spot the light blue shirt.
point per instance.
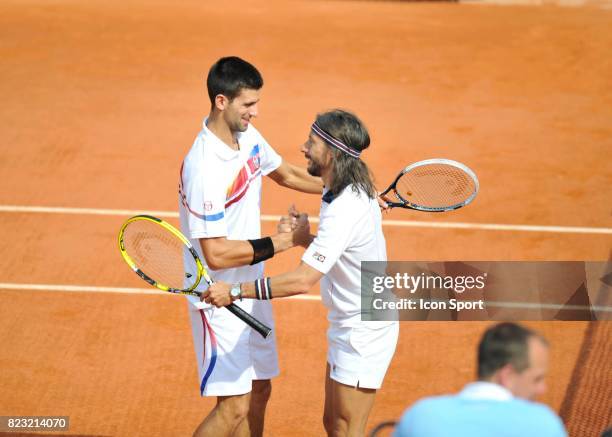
(481, 409)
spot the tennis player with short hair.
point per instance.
(219, 204)
(350, 231)
(512, 366)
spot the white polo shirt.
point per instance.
(220, 193)
(350, 231)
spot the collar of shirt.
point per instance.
(485, 390)
(328, 196)
(222, 150)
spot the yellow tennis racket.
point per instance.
(165, 258)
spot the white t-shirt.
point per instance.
(350, 231)
(220, 194)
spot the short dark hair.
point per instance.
(504, 343)
(229, 75)
(350, 130)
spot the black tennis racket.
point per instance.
(433, 185)
(155, 250)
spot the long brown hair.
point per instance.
(347, 170)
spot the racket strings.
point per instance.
(435, 186)
(160, 255)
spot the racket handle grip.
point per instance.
(263, 330)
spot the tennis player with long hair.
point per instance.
(219, 204)
(350, 231)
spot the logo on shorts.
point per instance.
(207, 206)
(318, 257)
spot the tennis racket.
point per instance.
(155, 250)
(433, 185)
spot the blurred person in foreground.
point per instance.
(512, 366)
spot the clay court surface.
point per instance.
(101, 100)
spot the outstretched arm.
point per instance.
(221, 253)
(287, 284)
(297, 178)
(298, 281)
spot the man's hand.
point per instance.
(382, 203)
(287, 222)
(218, 294)
(301, 232)
(294, 228)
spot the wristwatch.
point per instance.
(236, 292)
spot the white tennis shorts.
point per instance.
(360, 356)
(236, 355)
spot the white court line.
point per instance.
(274, 218)
(123, 290)
(306, 297)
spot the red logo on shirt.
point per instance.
(207, 206)
(318, 257)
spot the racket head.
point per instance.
(436, 185)
(161, 255)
